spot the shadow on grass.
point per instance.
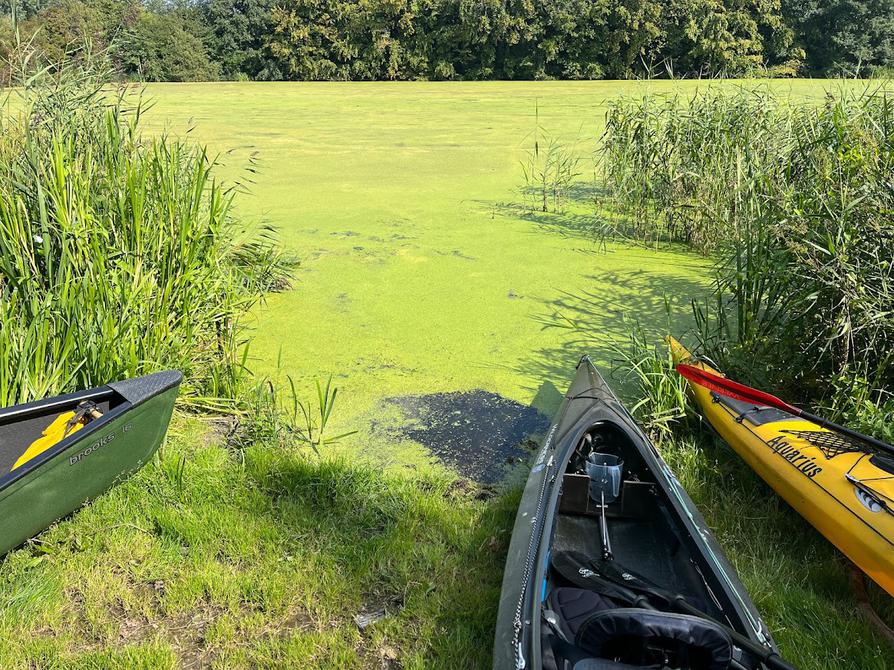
(421, 551)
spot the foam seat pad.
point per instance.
(619, 633)
(574, 606)
(602, 664)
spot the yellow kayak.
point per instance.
(843, 488)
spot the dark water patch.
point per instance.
(477, 433)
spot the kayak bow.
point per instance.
(611, 566)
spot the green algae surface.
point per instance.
(424, 268)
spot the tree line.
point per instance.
(188, 40)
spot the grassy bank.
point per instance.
(259, 559)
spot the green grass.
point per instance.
(258, 559)
(798, 580)
(421, 272)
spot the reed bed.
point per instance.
(794, 201)
(119, 253)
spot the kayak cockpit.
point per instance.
(620, 567)
(28, 431)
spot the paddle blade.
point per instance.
(732, 389)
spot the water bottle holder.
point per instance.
(605, 472)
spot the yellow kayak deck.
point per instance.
(842, 488)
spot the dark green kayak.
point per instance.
(611, 566)
(58, 453)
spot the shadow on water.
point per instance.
(568, 223)
(477, 433)
(577, 215)
(597, 321)
(587, 211)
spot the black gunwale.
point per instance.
(46, 405)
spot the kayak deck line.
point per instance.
(830, 443)
(837, 500)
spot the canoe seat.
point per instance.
(635, 636)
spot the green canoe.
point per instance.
(58, 453)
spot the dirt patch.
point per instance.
(221, 428)
(477, 433)
(185, 631)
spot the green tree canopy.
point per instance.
(464, 39)
(848, 37)
(165, 47)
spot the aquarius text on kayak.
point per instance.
(793, 455)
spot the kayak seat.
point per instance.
(643, 637)
(569, 608)
(574, 606)
(596, 626)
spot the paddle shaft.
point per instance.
(739, 391)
